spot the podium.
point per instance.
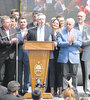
(39, 53)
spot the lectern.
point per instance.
(39, 53)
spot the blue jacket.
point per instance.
(69, 52)
(22, 54)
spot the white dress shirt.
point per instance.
(7, 32)
(81, 28)
(40, 33)
(24, 31)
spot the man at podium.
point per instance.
(44, 33)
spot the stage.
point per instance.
(80, 91)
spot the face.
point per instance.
(55, 24)
(6, 24)
(34, 17)
(16, 14)
(41, 20)
(13, 22)
(61, 21)
(23, 23)
(81, 17)
(69, 25)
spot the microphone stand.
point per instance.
(17, 60)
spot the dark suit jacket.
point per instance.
(8, 97)
(32, 35)
(30, 25)
(3, 90)
(7, 50)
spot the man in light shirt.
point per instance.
(23, 60)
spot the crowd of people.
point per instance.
(71, 47)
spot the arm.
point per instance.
(86, 41)
(3, 41)
(78, 41)
(61, 41)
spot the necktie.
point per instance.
(40, 35)
(69, 36)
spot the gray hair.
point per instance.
(41, 14)
(4, 18)
(71, 19)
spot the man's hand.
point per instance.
(14, 40)
(55, 44)
(70, 82)
(71, 40)
(80, 49)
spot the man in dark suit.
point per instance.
(7, 49)
(85, 50)
(44, 33)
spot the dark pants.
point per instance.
(59, 74)
(69, 69)
(50, 76)
(24, 65)
(10, 70)
(2, 70)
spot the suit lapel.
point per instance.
(4, 34)
(46, 34)
(77, 26)
(35, 33)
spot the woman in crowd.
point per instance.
(68, 92)
(56, 28)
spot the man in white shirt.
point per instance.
(47, 34)
(23, 60)
(7, 49)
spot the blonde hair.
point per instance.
(69, 92)
(83, 98)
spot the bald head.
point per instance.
(70, 22)
(81, 17)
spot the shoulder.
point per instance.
(1, 28)
(76, 30)
(3, 90)
(48, 27)
(32, 30)
(8, 97)
(64, 31)
(86, 26)
(30, 25)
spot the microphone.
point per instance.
(20, 32)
